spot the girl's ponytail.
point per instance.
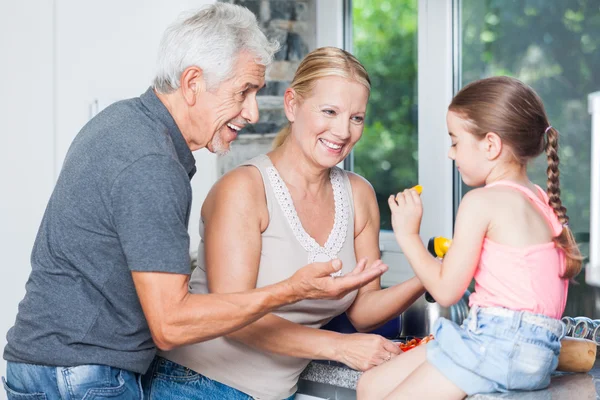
(565, 240)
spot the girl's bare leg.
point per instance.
(379, 381)
(426, 383)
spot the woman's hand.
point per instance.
(407, 211)
(362, 351)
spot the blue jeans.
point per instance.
(497, 350)
(38, 382)
(167, 380)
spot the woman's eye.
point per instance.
(453, 145)
(358, 119)
(329, 112)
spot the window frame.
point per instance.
(438, 67)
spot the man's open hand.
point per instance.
(314, 281)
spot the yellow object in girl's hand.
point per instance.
(438, 246)
(418, 188)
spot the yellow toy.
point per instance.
(438, 246)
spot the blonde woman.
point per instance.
(263, 221)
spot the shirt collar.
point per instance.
(151, 101)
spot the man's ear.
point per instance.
(290, 102)
(191, 83)
(492, 145)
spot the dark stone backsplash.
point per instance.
(293, 24)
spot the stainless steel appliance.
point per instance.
(419, 318)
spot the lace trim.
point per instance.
(337, 236)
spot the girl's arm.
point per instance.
(235, 214)
(448, 282)
(374, 306)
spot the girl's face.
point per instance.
(467, 151)
(329, 122)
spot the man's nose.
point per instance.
(250, 111)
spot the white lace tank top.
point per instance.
(286, 247)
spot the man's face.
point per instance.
(227, 108)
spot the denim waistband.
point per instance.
(553, 325)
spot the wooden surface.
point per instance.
(576, 355)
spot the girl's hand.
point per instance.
(407, 211)
(362, 351)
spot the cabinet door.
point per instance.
(105, 51)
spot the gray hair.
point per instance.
(212, 39)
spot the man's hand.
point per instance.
(314, 281)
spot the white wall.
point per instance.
(27, 145)
(106, 51)
(57, 58)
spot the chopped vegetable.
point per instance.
(411, 344)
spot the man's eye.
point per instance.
(358, 119)
(329, 112)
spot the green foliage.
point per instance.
(385, 41)
(554, 46)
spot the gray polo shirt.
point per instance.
(121, 204)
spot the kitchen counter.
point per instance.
(332, 380)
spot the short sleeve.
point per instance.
(150, 204)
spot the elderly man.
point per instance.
(110, 265)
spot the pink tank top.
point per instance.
(526, 278)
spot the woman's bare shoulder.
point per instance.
(360, 186)
(241, 188)
(366, 209)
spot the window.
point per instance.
(406, 45)
(554, 47)
(384, 39)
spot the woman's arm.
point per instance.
(374, 306)
(235, 214)
(446, 283)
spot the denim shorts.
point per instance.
(497, 350)
(167, 380)
(83, 382)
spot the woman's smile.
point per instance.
(331, 147)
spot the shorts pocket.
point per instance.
(14, 395)
(530, 367)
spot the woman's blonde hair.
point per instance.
(321, 63)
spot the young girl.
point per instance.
(510, 236)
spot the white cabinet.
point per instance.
(106, 51)
(27, 150)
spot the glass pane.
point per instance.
(384, 35)
(554, 46)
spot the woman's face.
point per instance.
(329, 122)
